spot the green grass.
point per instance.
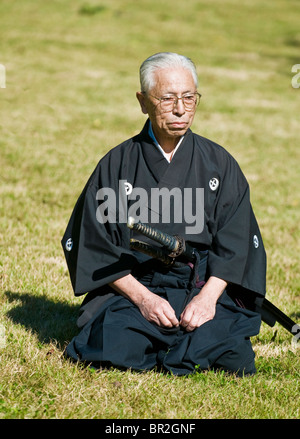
(71, 78)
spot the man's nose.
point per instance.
(179, 107)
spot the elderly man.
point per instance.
(139, 312)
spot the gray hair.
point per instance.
(164, 60)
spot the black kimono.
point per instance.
(201, 195)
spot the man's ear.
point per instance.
(142, 100)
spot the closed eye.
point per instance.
(168, 98)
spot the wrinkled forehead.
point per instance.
(173, 80)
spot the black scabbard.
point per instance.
(270, 314)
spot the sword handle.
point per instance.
(171, 243)
(174, 244)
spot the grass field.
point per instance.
(71, 76)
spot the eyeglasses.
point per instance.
(168, 102)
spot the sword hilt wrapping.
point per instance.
(171, 243)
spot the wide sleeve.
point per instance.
(96, 252)
(237, 252)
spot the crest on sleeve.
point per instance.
(69, 244)
(255, 241)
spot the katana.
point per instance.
(173, 247)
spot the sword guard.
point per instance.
(180, 247)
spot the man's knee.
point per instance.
(240, 359)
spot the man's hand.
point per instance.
(152, 307)
(158, 310)
(202, 307)
(200, 310)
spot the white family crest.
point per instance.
(213, 184)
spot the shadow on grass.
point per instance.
(50, 320)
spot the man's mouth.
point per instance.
(177, 124)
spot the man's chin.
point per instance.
(178, 132)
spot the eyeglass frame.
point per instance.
(198, 95)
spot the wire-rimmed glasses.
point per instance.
(168, 102)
